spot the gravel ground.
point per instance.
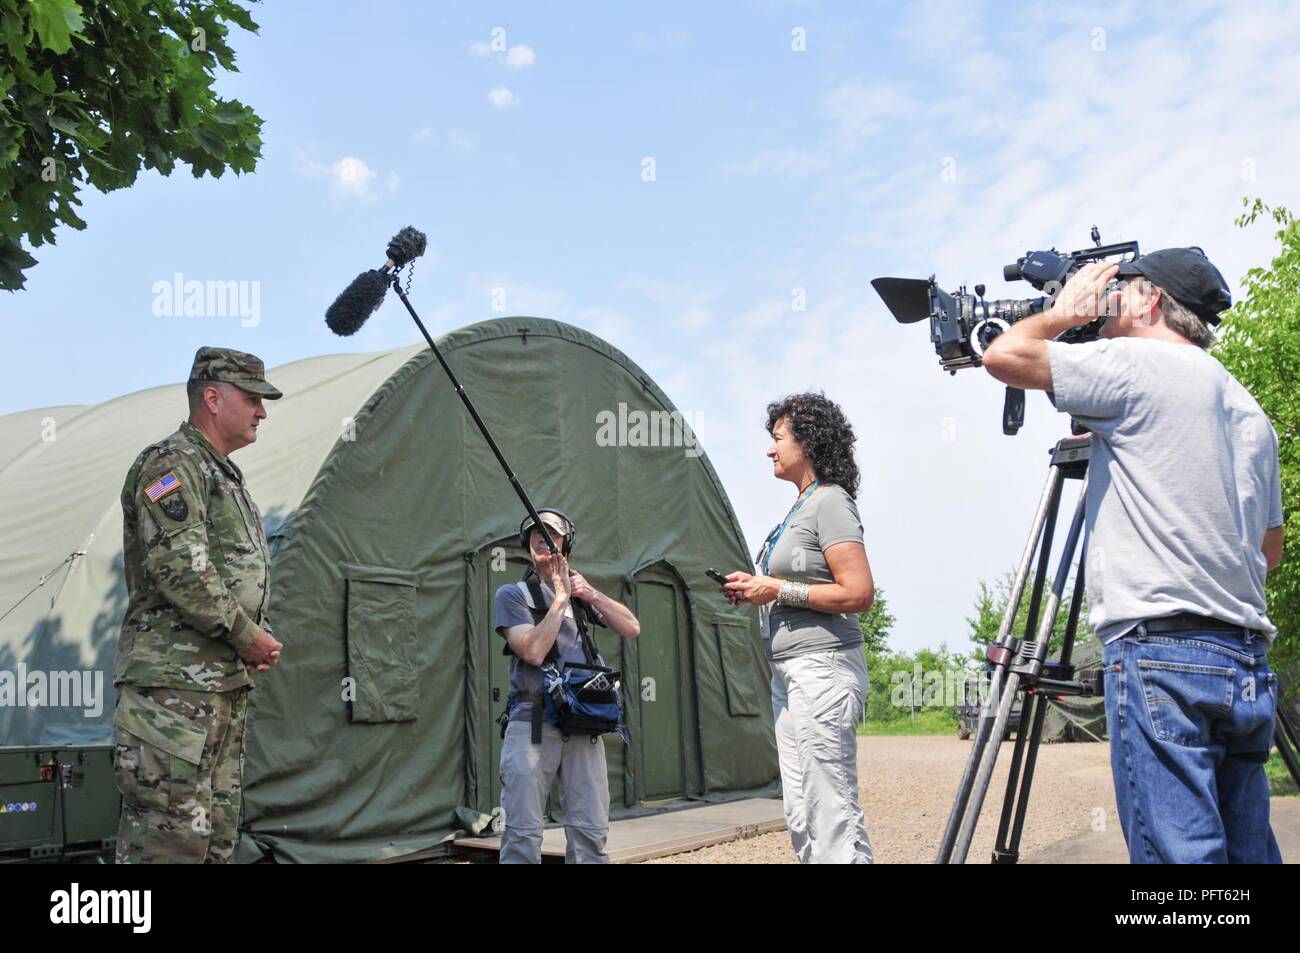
(907, 786)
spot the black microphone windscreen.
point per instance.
(406, 244)
(358, 302)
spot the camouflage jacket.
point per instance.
(197, 568)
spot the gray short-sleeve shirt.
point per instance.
(828, 517)
(511, 609)
(1183, 482)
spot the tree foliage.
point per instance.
(95, 91)
(1259, 344)
(891, 674)
(876, 624)
(991, 605)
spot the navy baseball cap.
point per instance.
(1187, 276)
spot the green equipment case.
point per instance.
(57, 803)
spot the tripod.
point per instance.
(1021, 664)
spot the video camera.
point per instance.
(962, 325)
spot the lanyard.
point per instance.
(775, 536)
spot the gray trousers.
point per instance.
(817, 704)
(527, 773)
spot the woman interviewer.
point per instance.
(814, 579)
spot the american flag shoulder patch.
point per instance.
(160, 487)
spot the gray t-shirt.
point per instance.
(511, 609)
(827, 517)
(1183, 482)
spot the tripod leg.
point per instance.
(1029, 714)
(1287, 743)
(1035, 656)
(984, 773)
(1007, 849)
(983, 730)
(1009, 852)
(1047, 505)
(1016, 781)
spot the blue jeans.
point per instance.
(1190, 716)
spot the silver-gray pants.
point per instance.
(817, 704)
(527, 772)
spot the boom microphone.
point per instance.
(359, 301)
(362, 298)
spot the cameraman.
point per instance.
(1184, 521)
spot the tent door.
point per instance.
(664, 689)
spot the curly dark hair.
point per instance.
(825, 434)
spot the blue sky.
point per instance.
(927, 138)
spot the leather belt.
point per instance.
(1189, 622)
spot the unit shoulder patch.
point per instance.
(175, 507)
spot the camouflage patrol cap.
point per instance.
(233, 367)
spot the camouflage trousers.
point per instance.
(179, 763)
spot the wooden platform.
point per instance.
(635, 839)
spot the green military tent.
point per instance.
(1075, 717)
(392, 526)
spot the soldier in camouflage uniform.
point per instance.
(197, 573)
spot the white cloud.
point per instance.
(349, 178)
(352, 177)
(940, 27)
(457, 140)
(860, 110)
(1042, 147)
(520, 57)
(683, 305)
(773, 311)
(502, 98)
(857, 112)
(605, 323)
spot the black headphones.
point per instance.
(570, 536)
